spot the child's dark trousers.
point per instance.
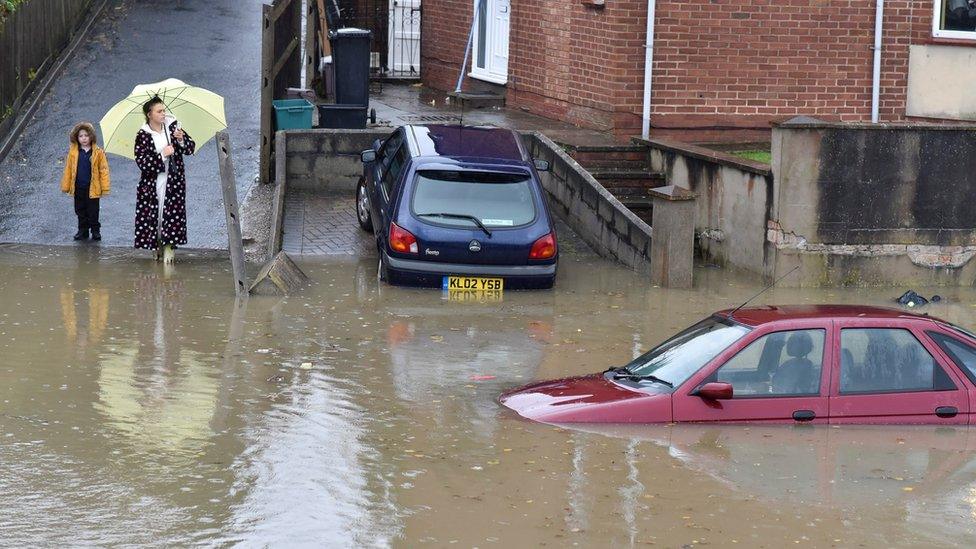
(87, 211)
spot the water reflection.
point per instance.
(922, 475)
(146, 407)
(152, 389)
(437, 360)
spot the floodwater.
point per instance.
(146, 407)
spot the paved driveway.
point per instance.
(215, 44)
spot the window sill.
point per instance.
(964, 42)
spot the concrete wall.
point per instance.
(874, 204)
(610, 228)
(325, 159)
(734, 198)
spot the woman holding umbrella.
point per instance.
(144, 127)
(161, 197)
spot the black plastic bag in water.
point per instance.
(912, 299)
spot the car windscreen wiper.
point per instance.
(459, 216)
(624, 373)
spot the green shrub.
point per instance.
(8, 6)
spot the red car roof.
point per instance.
(755, 316)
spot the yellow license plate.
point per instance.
(474, 296)
(472, 283)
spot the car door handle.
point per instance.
(946, 411)
(804, 415)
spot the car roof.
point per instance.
(465, 142)
(756, 316)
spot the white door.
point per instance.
(491, 41)
(404, 38)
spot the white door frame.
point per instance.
(497, 25)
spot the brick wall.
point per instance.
(717, 65)
(443, 35)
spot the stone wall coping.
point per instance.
(814, 124)
(708, 155)
(339, 131)
(672, 193)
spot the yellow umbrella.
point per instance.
(200, 112)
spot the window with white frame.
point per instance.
(955, 19)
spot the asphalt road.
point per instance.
(215, 44)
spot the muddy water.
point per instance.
(143, 406)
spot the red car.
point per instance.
(811, 364)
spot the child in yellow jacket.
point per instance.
(86, 178)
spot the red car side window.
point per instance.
(777, 364)
(962, 354)
(887, 360)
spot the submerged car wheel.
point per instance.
(362, 207)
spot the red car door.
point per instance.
(888, 372)
(960, 351)
(777, 374)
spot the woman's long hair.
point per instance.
(88, 127)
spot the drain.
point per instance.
(429, 118)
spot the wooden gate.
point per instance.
(281, 67)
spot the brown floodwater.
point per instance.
(143, 406)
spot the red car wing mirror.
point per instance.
(715, 391)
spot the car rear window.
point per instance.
(498, 200)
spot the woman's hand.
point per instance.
(167, 151)
(179, 135)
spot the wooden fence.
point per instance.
(30, 40)
(281, 68)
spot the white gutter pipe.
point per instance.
(648, 69)
(876, 80)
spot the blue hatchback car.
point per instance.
(457, 207)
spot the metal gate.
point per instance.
(396, 33)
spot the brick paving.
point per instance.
(325, 225)
(318, 224)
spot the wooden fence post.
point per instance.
(311, 40)
(267, 62)
(228, 184)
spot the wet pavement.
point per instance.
(323, 223)
(143, 405)
(213, 44)
(318, 224)
(399, 103)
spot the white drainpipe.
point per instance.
(648, 69)
(876, 81)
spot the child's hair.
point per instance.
(148, 106)
(87, 126)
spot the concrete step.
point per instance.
(642, 179)
(635, 202)
(641, 206)
(478, 100)
(630, 157)
(627, 164)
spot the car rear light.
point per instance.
(544, 248)
(402, 241)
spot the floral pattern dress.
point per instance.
(149, 232)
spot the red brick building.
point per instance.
(717, 66)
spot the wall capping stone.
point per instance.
(708, 155)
